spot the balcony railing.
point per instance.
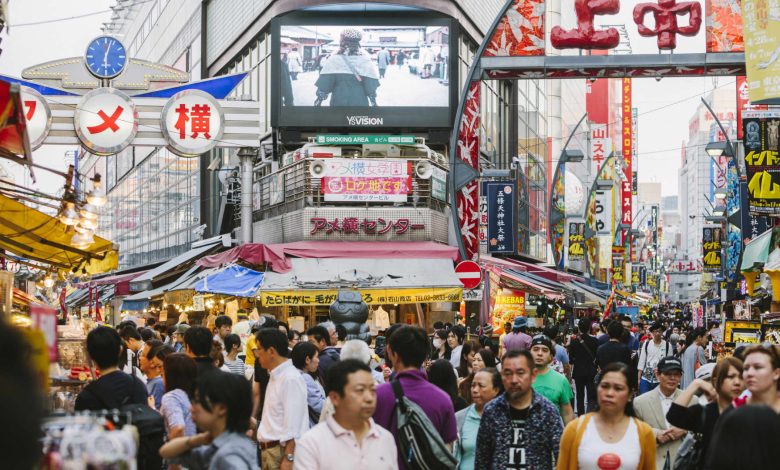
(294, 187)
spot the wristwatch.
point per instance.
(290, 457)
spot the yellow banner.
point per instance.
(762, 37)
(370, 296)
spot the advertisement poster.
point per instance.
(741, 310)
(618, 265)
(576, 241)
(509, 305)
(762, 38)
(711, 245)
(376, 189)
(762, 165)
(724, 26)
(501, 199)
(44, 318)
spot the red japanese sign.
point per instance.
(365, 189)
(192, 123)
(666, 14)
(628, 155)
(354, 225)
(597, 106)
(106, 121)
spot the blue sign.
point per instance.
(501, 226)
(632, 311)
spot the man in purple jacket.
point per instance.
(407, 349)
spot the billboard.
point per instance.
(576, 241)
(501, 227)
(762, 34)
(711, 246)
(363, 72)
(762, 165)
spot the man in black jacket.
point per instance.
(614, 350)
(582, 355)
(104, 347)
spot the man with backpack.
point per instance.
(420, 402)
(650, 353)
(118, 390)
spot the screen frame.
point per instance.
(395, 117)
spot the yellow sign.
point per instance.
(370, 296)
(762, 38)
(179, 296)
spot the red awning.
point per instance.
(541, 271)
(277, 255)
(532, 286)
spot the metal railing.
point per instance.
(294, 188)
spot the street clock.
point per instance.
(106, 57)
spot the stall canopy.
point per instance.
(591, 298)
(180, 290)
(173, 267)
(312, 281)
(237, 281)
(756, 252)
(31, 234)
(278, 255)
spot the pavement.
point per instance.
(397, 88)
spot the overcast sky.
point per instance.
(24, 46)
(661, 132)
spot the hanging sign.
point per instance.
(192, 123)
(370, 296)
(439, 184)
(711, 244)
(37, 115)
(106, 121)
(501, 216)
(602, 224)
(44, 318)
(364, 168)
(618, 264)
(762, 165)
(576, 241)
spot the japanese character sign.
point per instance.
(38, 116)
(355, 226)
(192, 123)
(585, 36)
(666, 28)
(379, 189)
(501, 216)
(106, 121)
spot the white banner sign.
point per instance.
(603, 213)
(365, 168)
(472, 294)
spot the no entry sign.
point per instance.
(469, 273)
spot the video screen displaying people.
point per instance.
(339, 66)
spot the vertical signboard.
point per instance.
(762, 35)
(597, 106)
(724, 26)
(576, 241)
(762, 165)
(711, 246)
(743, 103)
(752, 225)
(602, 222)
(618, 265)
(627, 145)
(501, 199)
(483, 218)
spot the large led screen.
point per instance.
(364, 75)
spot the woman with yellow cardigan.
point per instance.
(609, 438)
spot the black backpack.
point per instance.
(150, 425)
(419, 444)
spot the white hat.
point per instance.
(705, 372)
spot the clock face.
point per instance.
(106, 57)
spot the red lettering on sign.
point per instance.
(666, 27)
(109, 122)
(585, 36)
(31, 105)
(199, 117)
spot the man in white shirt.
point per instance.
(651, 407)
(650, 353)
(350, 438)
(285, 413)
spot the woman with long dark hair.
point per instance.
(179, 374)
(470, 349)
(441, 374)
(441, 348)
(481, 359)
(609, 437)
(726, 386)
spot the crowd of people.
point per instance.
(617, 394)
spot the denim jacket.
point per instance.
(543, 428)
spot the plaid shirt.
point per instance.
(544, 428)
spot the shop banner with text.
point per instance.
(370, 296)
(501, 226)
(711, 246)
(762, 165)
(509, 305)
(371, 189)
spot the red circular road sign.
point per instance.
(469, 273)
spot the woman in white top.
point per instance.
(609, 438)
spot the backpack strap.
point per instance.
(399, 394)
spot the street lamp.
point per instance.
(572, 156)
(717, 149)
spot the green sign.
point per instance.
(439, 184)
(335, 139)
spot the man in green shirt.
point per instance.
(549, 383)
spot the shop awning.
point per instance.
(525, 282)
(171, 267)
(316, 281)
(237, 281)
(590, 298)
(756, 252)
(31, 234)
(278, 256)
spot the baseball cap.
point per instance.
(705, 372)
(542, 340)
(668, 364)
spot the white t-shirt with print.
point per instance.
(595, 454)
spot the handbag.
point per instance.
(690, 454)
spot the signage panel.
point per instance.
(576, 241)
(370, 296)
(762, 164)
(501, 197)
(37, 115)
(762, 35)
(106, 121)
(439, 184)
(192, 123)
(711, 246)
(365, 168)
(602, 213)
(353, 139)
(373, 189)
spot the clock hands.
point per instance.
(105, 57)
